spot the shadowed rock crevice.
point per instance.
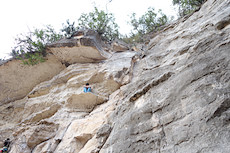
(101, 136)
(81, 140)
(223, 23)
(41, 133)
(225, 105)
(51, 144)
(154, 83)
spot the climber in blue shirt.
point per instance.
(87, 88)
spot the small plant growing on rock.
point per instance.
(68, 29)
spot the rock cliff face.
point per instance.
(16, 79)
(174, 97)
(82, 47)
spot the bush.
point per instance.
(68, 29)
(103, 23)
(31, 47)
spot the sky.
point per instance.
(21, 16)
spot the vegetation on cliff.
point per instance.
(100, 21)
(187, 6)
(148, 22)
(31, 47)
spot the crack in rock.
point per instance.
(163, 78)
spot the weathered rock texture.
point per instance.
(119, 46)
(41, 120)
(81, 47)
(172, 98)
(17, 79)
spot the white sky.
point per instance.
(18, 16)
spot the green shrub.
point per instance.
(31, 47)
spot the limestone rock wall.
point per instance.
(174, 97)
(55, 115)
(17, 79)
(179, 98)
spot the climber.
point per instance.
(6, 146)
(87, 88)
(7, 143)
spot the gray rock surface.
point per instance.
(179, 98)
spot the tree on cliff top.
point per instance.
(149, 22)
(103, 23)
(187, 6)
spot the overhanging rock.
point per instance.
(82, 47)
